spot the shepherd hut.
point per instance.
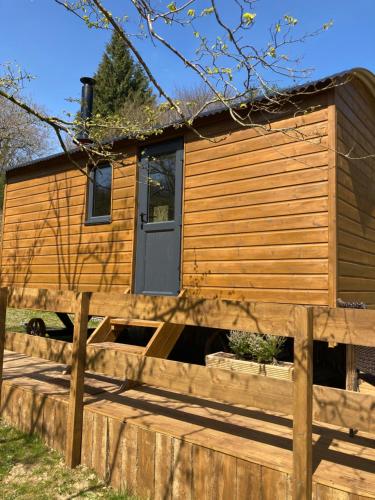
(284, 214)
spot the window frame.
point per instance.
(97, 219)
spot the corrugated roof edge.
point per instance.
(363, 74)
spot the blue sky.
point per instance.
(57, 48)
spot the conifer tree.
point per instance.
(120, 80)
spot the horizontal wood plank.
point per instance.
(315, 266)
(289, 193)
(348, 326)
(332, 406)
(274, 252)
(251, 212)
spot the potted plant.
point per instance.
(253, 353)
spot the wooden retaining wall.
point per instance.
(149, 463)
(154, 464)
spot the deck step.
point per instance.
(134, 322)
(114, 346)
(160, 345)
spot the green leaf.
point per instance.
(272, 51)
(291, 20)
(172, 6)
(328, 25)
(191, 12)
(248, 17)
(207, 11)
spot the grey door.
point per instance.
(157, 269)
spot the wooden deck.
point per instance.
(164, 444)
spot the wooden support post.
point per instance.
(351, 378)
(75, 414)
(3, 313)
(101, 332)
(163, 340)
(351, 368)
(302, 404)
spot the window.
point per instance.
(99, 195)
(161, 187)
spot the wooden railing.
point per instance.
(298, 398)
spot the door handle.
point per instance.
(143, 217)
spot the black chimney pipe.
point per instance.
(87, 98)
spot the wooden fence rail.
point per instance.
(331, 406)
(299, 398)
(345, 326)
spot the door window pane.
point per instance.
(101, 191)
(161, 187)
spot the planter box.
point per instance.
(228, 361)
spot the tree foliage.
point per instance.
(23, 136)
(120, 81)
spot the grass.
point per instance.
(30, 471)
(16, 319)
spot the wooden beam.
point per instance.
(163, 340)
(42, 299)
(348, 409)
(351, 377)
(147, 323)
(3, 313)
(165, 337)
(101, 332)
(347, 326)
(302, 405)
(213, 313)
(332, 206)
(75, 412)
(39, 347)
(351, 369)
(223, 385)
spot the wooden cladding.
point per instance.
(282, 213)
(256, 212)
(255, 218)
(356, 194)
(46, 242)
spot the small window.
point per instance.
(99, 195)
(161, 187)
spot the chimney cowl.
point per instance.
(87, 80)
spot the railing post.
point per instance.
(3, 313)
(75, 411)
(302, 404)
